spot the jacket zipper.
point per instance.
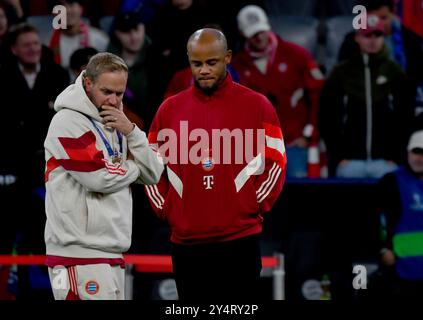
(369, 106)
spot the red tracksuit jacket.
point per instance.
(290, 77)
(213, 200)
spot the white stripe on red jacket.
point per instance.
(230, 204)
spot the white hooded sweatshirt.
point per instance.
(88, 199)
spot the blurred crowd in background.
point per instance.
(348, 100)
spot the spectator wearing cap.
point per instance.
(366, 109)
(403, 45)
(77, 34)
(400, 203)
(289, 76)
(130, 41)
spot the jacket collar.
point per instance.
(374, 59)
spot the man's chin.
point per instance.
(417, 169)
(206, 89)
(209, 90)
(134, 49)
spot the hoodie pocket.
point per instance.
(92, 214)
(73, 209)
(109, 219)
(69, 200)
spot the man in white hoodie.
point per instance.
(93, 153)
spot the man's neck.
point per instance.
(28, 68)
(72, 30)
(130, 57)
(260, 52)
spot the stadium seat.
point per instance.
(44, 25)
(297, 29)
(310, 8)
(297, 8)
(106, 23)
(340, 7)
(337, 28)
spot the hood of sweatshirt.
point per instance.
(75, 98)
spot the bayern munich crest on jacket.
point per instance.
(205, 193)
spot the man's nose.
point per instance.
(204, 70)
(113, 100)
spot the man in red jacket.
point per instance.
(213, 197)
(289, 76)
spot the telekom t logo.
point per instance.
(208, 182)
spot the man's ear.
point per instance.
(118, 34)
(356, 36)
(228, 57)
(13, 49)
(88, 84)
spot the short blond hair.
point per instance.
(104, 62)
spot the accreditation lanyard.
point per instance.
(112, 153)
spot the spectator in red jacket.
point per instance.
(213, 197)
(411, 13)
(288, 75)
(78, 34)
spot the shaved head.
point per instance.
(208, 56)
(207, 36)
